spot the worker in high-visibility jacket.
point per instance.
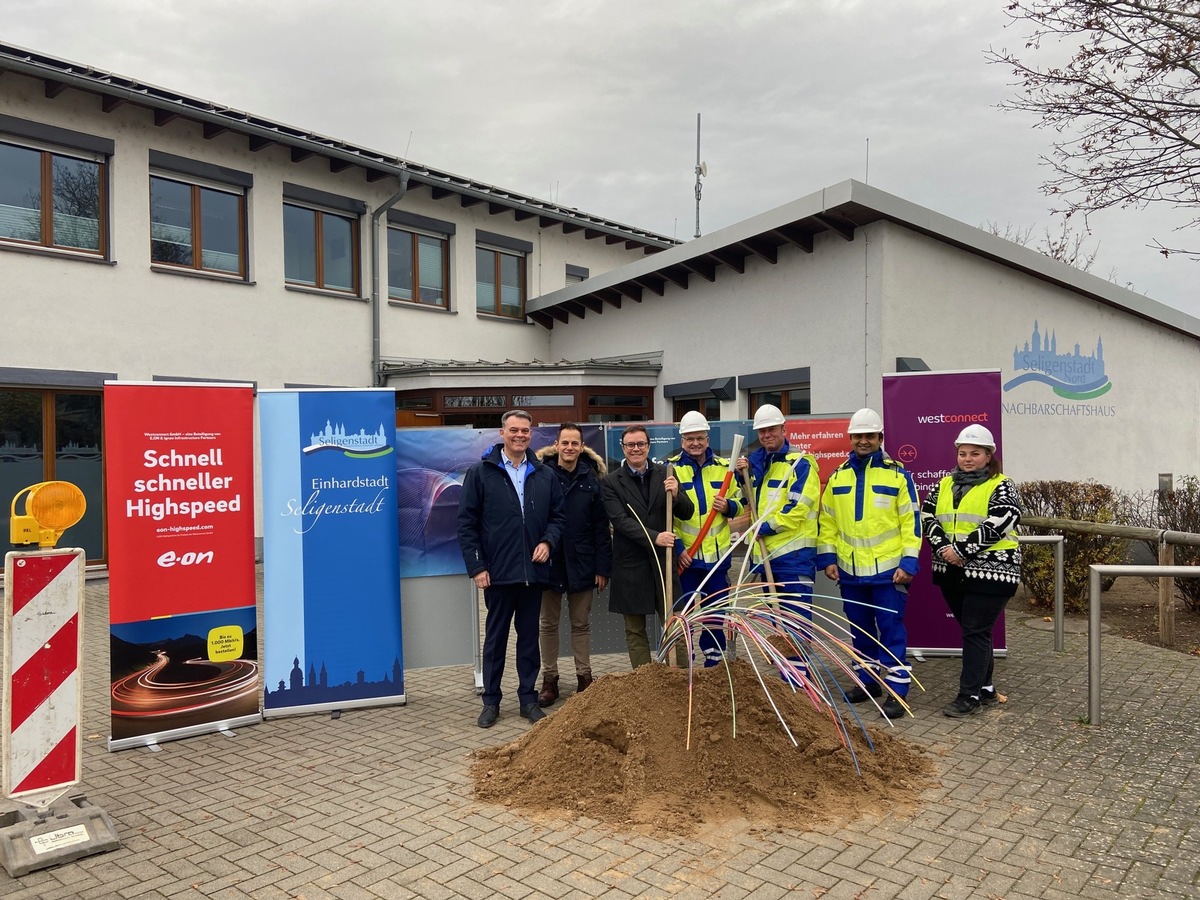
(787, 501)
(971, 518)
(869, 539)
(705, 569)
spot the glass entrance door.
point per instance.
(33, 420)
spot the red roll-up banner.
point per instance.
(179, 477)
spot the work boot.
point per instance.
(584, 682)
(857, 694)
(893, 708)
(549, 692)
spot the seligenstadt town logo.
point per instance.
(1073, 376)
(360, 446)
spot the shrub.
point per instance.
(1177, 510)
(1081, 501)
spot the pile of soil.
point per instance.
(618, 753)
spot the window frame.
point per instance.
(415, 234)
(500, 246)
(196, 186)
(317, 248)
(48, 152)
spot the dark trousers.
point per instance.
(976, 613)
(506, 603)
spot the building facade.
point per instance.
(147, 235)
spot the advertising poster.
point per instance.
(179, 479)
(430, 465)
(331, 572)
(923, 412)
(824, 438)
(665, 442)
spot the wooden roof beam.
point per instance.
(702, 267)
(733, 259)
(836, 224)
(795, 237)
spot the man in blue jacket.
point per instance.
(510, 521)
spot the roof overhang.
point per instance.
(640, 369)
(839, 211)
(216, 120)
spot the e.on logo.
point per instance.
(171, 558)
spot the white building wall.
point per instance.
(806, 310)
(62, 312)
(957, 310)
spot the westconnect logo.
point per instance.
(1070, 375)
(951, 418)
(359, 446)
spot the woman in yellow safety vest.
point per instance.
(971, 520)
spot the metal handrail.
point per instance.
(1095, 574)
(1057, 540)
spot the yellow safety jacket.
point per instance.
(702, 484)
(787, 496)
(972, 511)
(870, 523)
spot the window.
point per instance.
(197, 215)
(500, 274)
(53, 199)
(576, 274)
(418, 267)
(499, 283)
(793, 401)
(318, 249)
(709, 407)
(197, 227)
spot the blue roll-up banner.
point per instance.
(331, 570)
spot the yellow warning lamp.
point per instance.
(51, 507)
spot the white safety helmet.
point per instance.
(977, 435)
(865, 421)
(692, 421)
(767, 416)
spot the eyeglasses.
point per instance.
(635, 445)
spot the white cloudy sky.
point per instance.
(593, 103)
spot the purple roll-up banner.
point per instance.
(923, 412)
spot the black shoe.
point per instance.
(532, 712)
(988, 698)
(893, 708)
(858, 695)
(488, 717)
(962, 707)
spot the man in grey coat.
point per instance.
(635, 499)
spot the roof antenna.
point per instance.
(867, 166)
(701, 171)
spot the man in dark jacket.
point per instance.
(582, 562)
(510, 521)
(635, 498)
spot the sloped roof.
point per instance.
(840, 210)
(216, 119)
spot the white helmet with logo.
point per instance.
(977, 435)
(767, 416)
(692, 421)
(865, 421)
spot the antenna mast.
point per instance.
(701, 169)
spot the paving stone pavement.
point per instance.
(376, 804)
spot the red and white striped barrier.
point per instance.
(43, 612)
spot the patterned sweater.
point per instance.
(1000, 567)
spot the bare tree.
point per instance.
(1064, 245)
(1126, 104)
